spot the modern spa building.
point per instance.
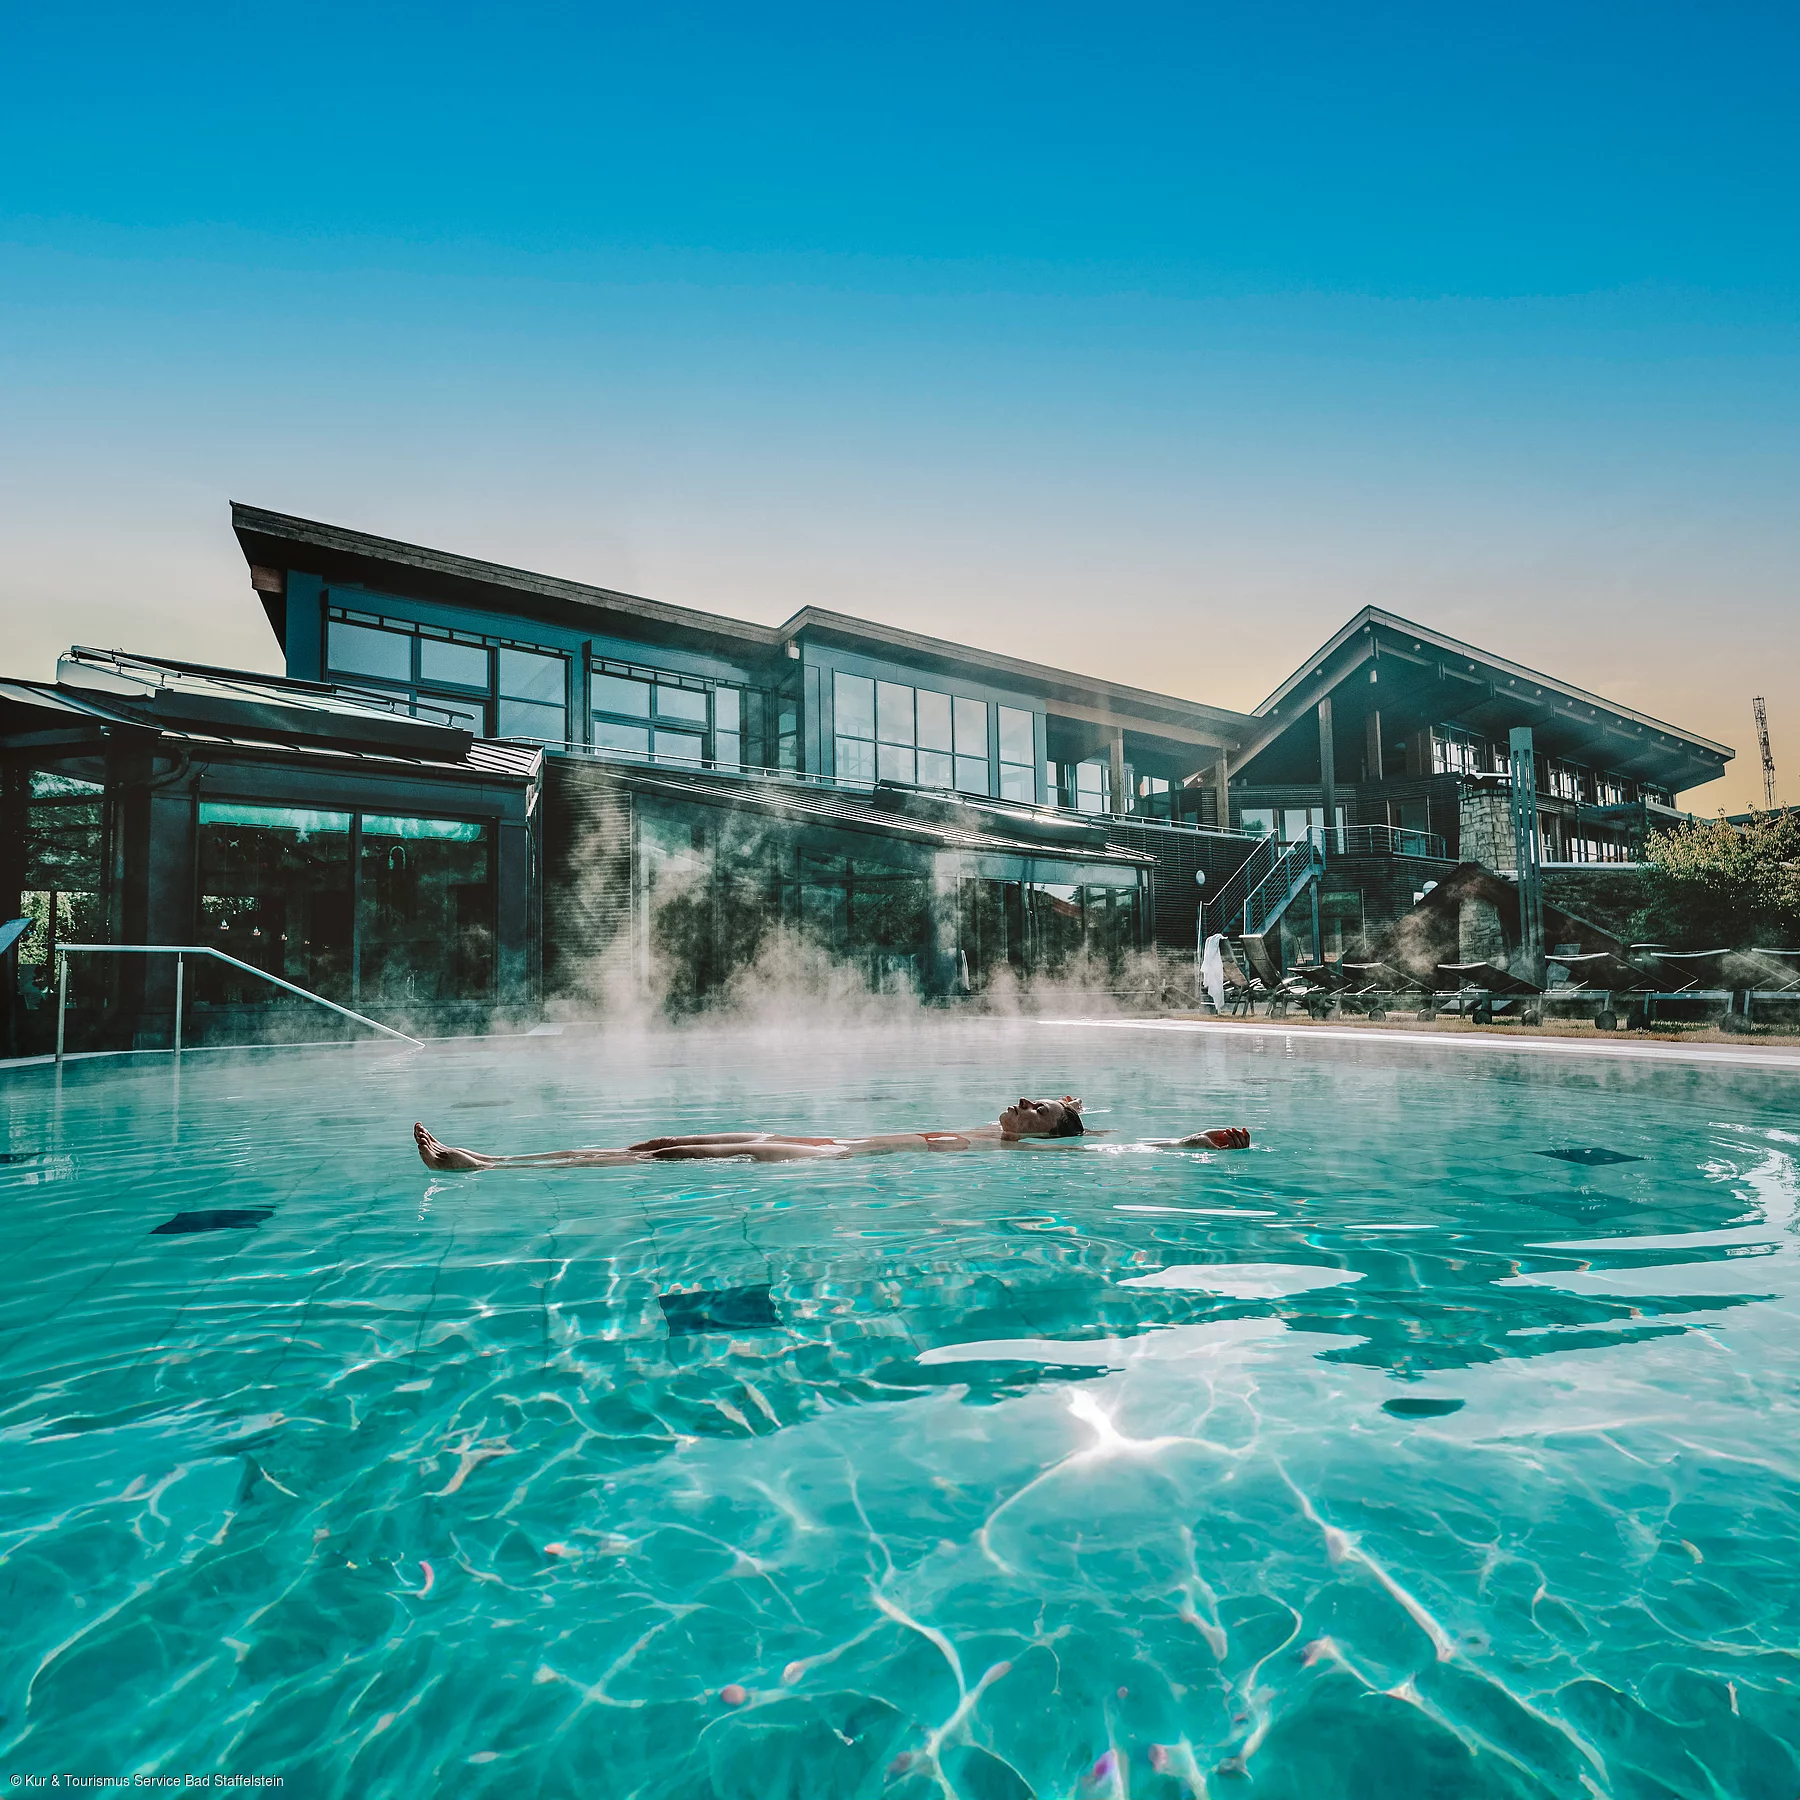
(478, 791)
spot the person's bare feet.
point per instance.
(441, 1156)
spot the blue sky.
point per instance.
(1151, 339)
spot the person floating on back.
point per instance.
(1030, 1124)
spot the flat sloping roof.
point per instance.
(46, 705)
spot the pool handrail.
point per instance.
(178, 951)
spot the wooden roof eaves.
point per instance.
(339, 541)
(1373, 618)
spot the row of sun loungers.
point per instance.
(1599, 985)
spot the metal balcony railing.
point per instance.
(1377, 840)
(695, 765)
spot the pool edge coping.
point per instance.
(1779, 1058)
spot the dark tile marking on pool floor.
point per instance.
(1592, 1157)
(222, 1218)
(721, 1309)
(1421, 1408)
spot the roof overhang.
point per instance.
(280, 541)
(1589, 727)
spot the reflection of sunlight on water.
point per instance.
(1243, 1281)
(1019, 1464)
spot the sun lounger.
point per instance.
(1485, 991)
(1372, 987)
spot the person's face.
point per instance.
(1035, 1118)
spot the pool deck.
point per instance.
(1784, 1055)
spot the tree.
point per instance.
(1715, 885)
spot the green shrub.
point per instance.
(1713, 885)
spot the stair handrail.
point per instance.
(180, 951)
(1218, 910)
(1297, 866)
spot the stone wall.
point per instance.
(1487, 828)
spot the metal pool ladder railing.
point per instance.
(179, 952)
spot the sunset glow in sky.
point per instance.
(1152, 341)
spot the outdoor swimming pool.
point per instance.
(1394, 1456)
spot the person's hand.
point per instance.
(1223, 1137)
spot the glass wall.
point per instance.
(1018, 754)
(371, 908)
(276, 892)
(888, 731)
(64, 874)
(533, 691)
(1093, 787)
(425, 911)
(486, 685)
(665, 717)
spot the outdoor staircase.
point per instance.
(1252, 902)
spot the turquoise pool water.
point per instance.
(1394, 1456)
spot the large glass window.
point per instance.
(275, 892)
(457, 680)
(728, 740)
(1093, 787)
(411, 922)
(624, 695)
(369, 651)
(426, 911)
(887, 730)
(853, 712)
(64, 862)
(1018, 754)
(937, 764)
(680, 724)
(613, 734)
(1455, 751)
(896, 758)
(455, 665)
(533, 696)
(971, 725)
(667, 718)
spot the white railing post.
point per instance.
(178, 968)
(62, 1001)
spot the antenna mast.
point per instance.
(1762, 743)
